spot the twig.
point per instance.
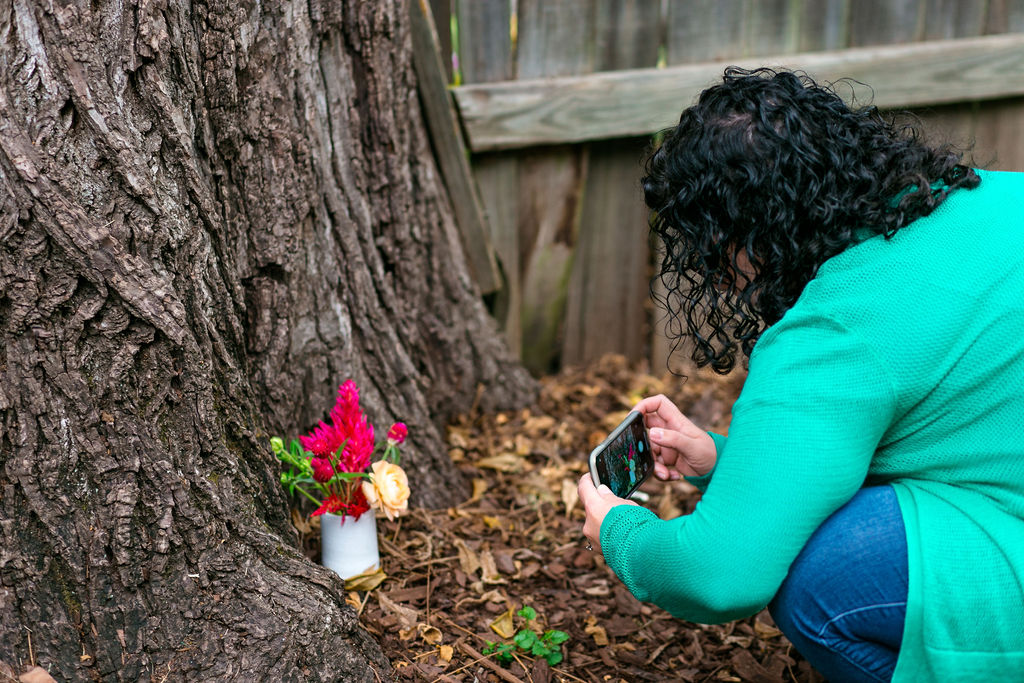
(525, 668)
(436, 560)
(31, 655)
(788, 667)
(657, 652)
(563, 672)
(397, 529)
(713, 672)
(500, 672)
(428, 594)
(362, 605)
(464, 629)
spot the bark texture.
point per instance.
(213, 214)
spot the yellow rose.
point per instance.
(388, 488)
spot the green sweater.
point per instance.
(901, 363)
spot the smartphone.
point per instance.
(623, 460)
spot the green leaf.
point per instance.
(554, 658)
(525, 639)
(555, 637)
(504, 653)
(527, 613)
(539, 649)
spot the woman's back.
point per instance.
(940, 305)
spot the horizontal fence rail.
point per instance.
(616, 104)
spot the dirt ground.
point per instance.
(457, 577)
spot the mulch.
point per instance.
(457, 577)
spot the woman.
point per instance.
(871, 489)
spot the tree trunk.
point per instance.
(213, 214)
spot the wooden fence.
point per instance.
(558, 99)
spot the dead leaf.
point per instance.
(458, 437)
(366, 581)
(300, 522)
(505, 625)
(430, 634)
(407, 618)
(570, 495)
(492, 522)
(538, 424)
(36, 674)
(445, 653)
(489, 568)
(468, 559)
(765, 631)
(354, 600)
(479, 489)
(503, 462)
(596, 632)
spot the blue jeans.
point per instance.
(844, 601)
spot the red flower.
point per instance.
(322, 469)
(336, 505)
(324, 441)
(397, 433)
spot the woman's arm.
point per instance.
(813, 409)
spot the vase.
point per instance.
(347, 545)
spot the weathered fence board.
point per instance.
(999, 126)
(449, 148)
(704, 30)
(954, 19)
(550, 183)
(605, 309)
(824, 25)
(554, 39)
(606, 306)
(628, 33)
(884, 22)
(636, 102)
(485, 43)
(485, 54)
(771, 27)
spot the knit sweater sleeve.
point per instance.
(815, 404)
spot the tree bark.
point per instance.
(213, 214)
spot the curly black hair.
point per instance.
(772, 168)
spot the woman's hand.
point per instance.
(680, 447)
(597, 501)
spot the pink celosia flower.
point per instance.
(346, 411)
(322, 469)
(397, 433)
(324, 441)
(359, 448)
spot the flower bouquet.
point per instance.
(333, 461)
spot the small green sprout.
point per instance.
(546, 645)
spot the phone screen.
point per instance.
(627, 460)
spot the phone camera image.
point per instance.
(626, 461)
